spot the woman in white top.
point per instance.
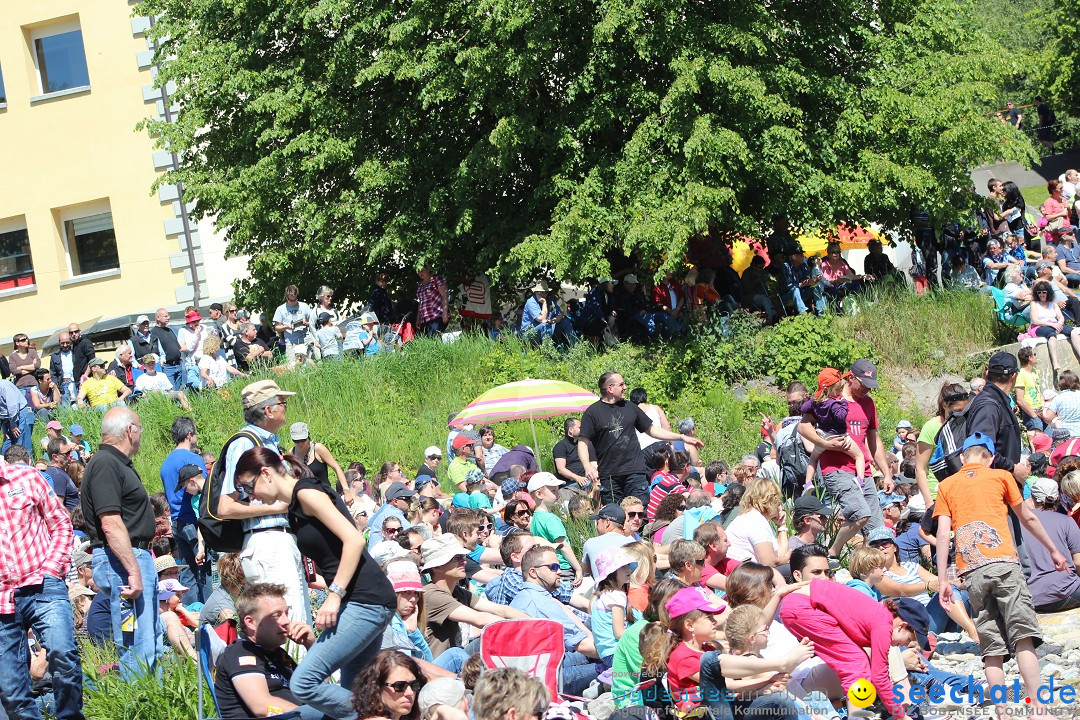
(751, 534)
(213, 369)
(656, 413)
(1048, 322)
(1064, 410)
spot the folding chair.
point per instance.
(533, 646)
(210, 645)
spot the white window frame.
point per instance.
(77, 212)
(48, 30)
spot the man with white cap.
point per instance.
(430, 466)
(543, 318)
(270, 554)
(547, 525)
(1052, 591)
(142, 341)
(448, 599)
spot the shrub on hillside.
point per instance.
(798, 347)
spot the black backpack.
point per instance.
(945, 460)
(224, 536)
(793, 460)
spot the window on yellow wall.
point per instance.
(91, 244)
(61, 61)
(16, 265)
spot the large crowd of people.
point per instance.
(694, 590)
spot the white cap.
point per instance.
(141, 319)
(440, 550)
(448, 691)
(432, 450)
(387, 550)
(543, 479)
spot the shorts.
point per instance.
(846, 495)
(1045, 331)
(1002, 608)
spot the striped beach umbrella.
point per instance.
(526, 400)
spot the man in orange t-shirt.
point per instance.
(976, 502)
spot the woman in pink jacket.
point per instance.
(842, 622)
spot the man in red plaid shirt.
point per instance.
(35, 552)
(433, 311)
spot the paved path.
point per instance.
(1051, 167)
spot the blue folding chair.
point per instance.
(205, 660)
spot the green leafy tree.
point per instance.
(337, 138)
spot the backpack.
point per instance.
(224, 536)
(793, 460)
(945, 460)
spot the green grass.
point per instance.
(173, 696)
(1035, 195)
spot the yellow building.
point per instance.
(81, 235)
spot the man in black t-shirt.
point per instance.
(568, 463)
(253, 673)
(249, 349)
(610, 424)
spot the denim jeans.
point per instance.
(613, 488)
(453, 659)
(140, 648)
(68, 392)
(433, 328)
(194, 576)
(175, 373)
(192, 378)
(349, 646)
(25, 423)
(659, 322)
(795, 295)
(578, 671)
(47, 610)
(1068, 602)
(561, 333)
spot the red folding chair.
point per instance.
(533, 646)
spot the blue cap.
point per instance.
(460, 499)
(75, 429)
(979, 439)
(879, 534)
(887, 499)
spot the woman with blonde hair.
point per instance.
(1070, 490)
(642, 576)
(752, 535)
(509, 694)
(213, 369)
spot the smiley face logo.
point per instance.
(861, 694)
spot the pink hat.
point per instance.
(693, 598)
(611, 559)
(193, 316)
(404, 576)
(54, 425)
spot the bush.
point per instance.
(798, 347)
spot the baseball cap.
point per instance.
(693, 598)
(432, 451)
(97, 361)
(75, 429)
(440, 550)
(148, 359)
(865, 372)
(77, 591)
(81, 558)
(630, 279)
(903, 424)
(611, 512)
(807, 505)
(887, 499)
(543, 479)
(261, 391)
(323, 317)
(186, 473)
(142, 319)
(422, 480)
(398, 490)
(216, 306)
(299, 431)
(404, 575)
(1044, 489)
(462, 440)
(54, 425)
(1002, 362)
(826, 378)
(168, 588)
(978, 438)
(449, 691)
(914, 614)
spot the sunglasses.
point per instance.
(487, 526)
(681, 508)
(956, 397)
(553, 567)
(391, 531)
(634, 514)
(401, 685)
(523, 513)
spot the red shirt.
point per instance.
(861, 418)
(666, 484)
(683, 663)
(35, 532)
(429, 300)
(724, 568)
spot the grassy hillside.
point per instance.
(393, 406)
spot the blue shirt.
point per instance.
(504, 589)
(1071, 256)
(532, 311)
(12, 401)
(537, 602)
(63, 486)
(908, 544)
(228, 483)
(179, 501)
